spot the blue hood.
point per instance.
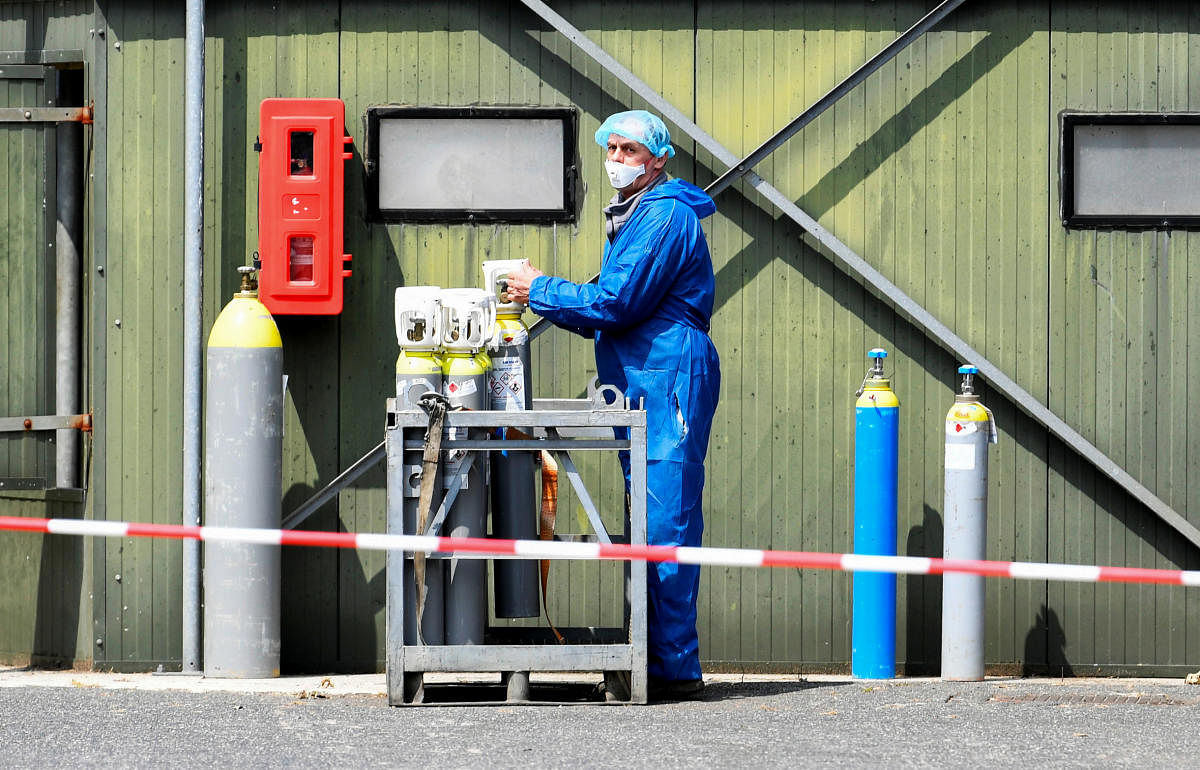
(685, 192)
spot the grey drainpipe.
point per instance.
(68, 236)
(193, 286)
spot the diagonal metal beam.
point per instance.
(605, 60)
(923, 25)
(858, 269)
(330, 490)
(739, 168)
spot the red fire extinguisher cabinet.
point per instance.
(301, 205)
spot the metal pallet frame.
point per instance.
(557, 425)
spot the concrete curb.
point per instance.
(332, 685)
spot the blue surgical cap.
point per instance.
(640, 126)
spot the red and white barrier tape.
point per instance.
(488, 548)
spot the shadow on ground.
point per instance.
(715, 691)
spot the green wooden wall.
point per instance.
(139, 615)
(45, 607)
(1124, 309)
(931, 171)
(941, 170)
(33, 28)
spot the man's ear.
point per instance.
(660, 161)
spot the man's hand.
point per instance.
(519, 281)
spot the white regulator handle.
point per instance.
(418, 305)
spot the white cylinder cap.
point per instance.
(468, 318)
(493, 271)
(418, 304)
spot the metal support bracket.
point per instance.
(8, 484)
(45, 114)
(343, 480)
(585, 498)
(435, 526)
(81, 422)
(10, 59)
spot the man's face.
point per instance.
(631, 153)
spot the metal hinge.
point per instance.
(45, 114)
(82, 422)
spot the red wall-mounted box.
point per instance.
(301, 205)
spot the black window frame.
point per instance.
(1069, 120)
(567, 212)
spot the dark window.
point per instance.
(460, 164)
(300, 153)
(1130, 169)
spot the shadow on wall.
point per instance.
(1045, 647)
(923, 601)
(60, 576)
(330, 613)
(328, 610)
(340, 369)
(897, 132)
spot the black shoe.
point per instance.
(660, 690)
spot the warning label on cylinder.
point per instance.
(960, 457)
(957, 428)
(506, 383)
(515, 337)
(461, 388)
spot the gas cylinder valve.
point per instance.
(249, 284)
(876, 371)
(968, 371)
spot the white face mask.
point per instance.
(620, 175)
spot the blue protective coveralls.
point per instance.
(649, 314)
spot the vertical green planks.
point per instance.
(918, 494)
(761, 346)
(786, 301)
(26, 379)
(1170, 387)
(718, 109)
(1016, 228)
(45, 600)
(298, 57)
(367, 353)
(1116, 318)
(141, 589)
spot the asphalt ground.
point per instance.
(78, 719)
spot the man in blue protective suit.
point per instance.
(649, 313)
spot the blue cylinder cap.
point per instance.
(968, 369)
(876, 353)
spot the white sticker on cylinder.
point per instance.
(957, 428)
(517, 336)
(960, 457)
(454, 459)
(461, 388)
